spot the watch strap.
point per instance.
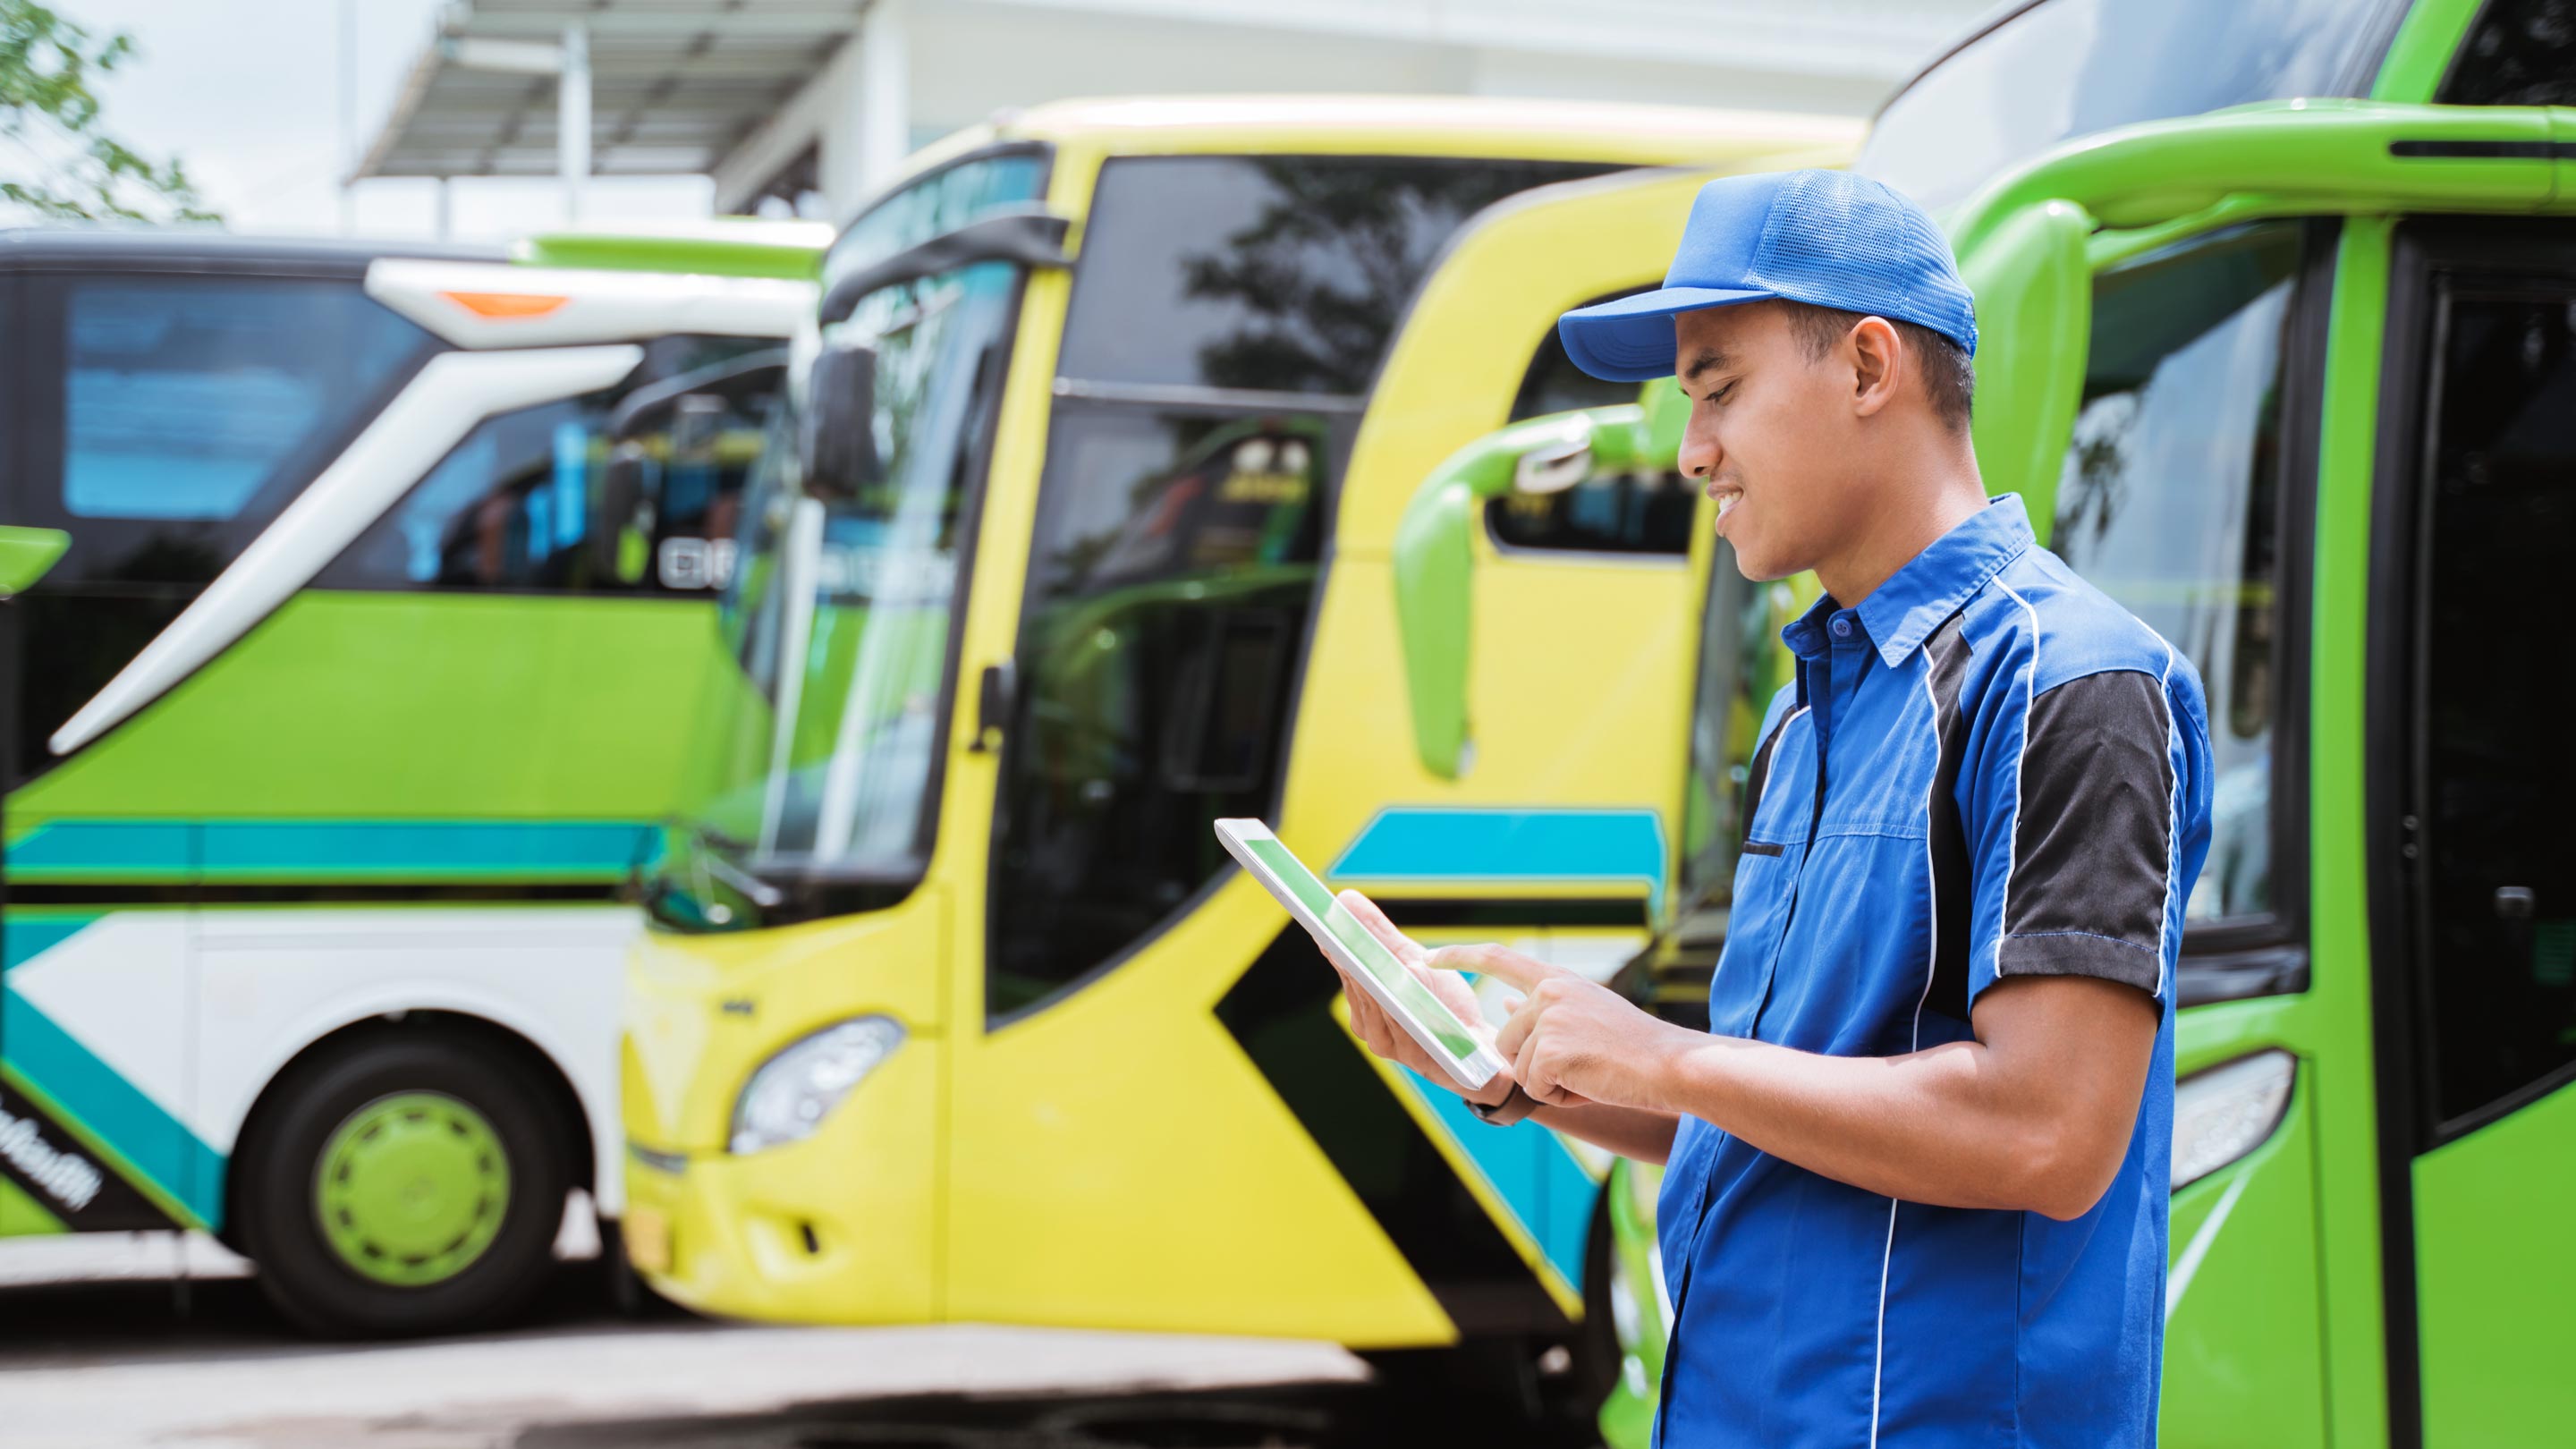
(1507, 1111)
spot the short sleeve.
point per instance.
(2072, 811)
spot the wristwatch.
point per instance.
(1507, 1111)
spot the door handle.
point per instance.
(992, 707)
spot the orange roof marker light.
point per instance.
(506, 304)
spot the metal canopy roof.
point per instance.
(675, 84)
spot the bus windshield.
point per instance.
(839, 610)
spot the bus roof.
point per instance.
(205, 248)
(1466, 126)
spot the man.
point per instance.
(1917, 1166)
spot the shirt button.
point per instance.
(1842, 628)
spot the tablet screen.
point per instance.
(1372, 954)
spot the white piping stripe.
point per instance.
(2012, 843)
(1931, 963)
(454, 391)
(2173, 818)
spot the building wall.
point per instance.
(918, 69)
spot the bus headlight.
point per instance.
(2227, 1111)
(790, 1094)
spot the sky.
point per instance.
(247, 94)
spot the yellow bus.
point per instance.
(1080, 530)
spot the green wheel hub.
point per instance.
(411, 1189)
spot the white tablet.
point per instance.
(1363, 956)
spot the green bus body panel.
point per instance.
(2334, 1044)
(22, 1216)
(760, 252)
(26, 555)
(411, 706)
(2495, 1279)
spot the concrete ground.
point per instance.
(130, 1359)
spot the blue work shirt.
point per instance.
(1987, 769)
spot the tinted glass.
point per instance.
(2170, 503)
(1605, 512)
(2519, 53)
(163, 422)
(940, 202)
(183, 398)
(1285, 274)
(2500, 783)
(1170, 584)
(545, 498)
(2072, 67)
(181, 413)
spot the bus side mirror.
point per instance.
(2034, 290)
(1435, 552)
(838, 428)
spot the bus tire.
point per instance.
(403, 1183)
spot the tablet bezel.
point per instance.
(1473, 1072)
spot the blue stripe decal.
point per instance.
(328, 848)
(1410, 844)
(124, 846)
(1538, 1179)
(156, 1143)
(24, 937)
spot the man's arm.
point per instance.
(2034, 1114)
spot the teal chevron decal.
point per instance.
(1530, 1167)
(111, 1109)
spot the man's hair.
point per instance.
(1949, 374)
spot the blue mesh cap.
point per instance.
(1826, 238)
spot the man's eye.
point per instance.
(1722, 394)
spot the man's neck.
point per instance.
(1913, 518)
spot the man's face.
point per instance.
(1771, 437)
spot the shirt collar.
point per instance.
(1936, 583)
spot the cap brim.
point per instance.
(1631, 339)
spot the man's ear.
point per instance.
(1878, 361)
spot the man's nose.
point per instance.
(1699, 453)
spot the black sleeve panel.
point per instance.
(2093, 839)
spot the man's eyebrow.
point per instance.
(1707, 359)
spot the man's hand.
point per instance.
(1571, 1040)
(1379, 1031)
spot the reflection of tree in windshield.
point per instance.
(1327, 266)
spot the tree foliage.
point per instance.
(64, 167)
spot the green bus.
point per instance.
(360, 596)
(2279, 313)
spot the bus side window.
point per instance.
(1643, 514)
(2170, 502)
(582, 494)
(2496, 851)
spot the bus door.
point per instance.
(164, 419)
(2478, 511)
(1171, 1130)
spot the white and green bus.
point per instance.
(359, 599)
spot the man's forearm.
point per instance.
(1932, 1126)
(1636, 1132)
